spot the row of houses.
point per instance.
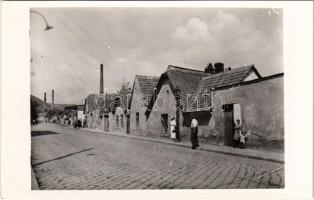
(216, 97)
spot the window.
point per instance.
(117, 121)
(117, 102)
(137, 120)
(121, 120)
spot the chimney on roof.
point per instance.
(101, 88)
(228, 69)
(52, 99)
(209, 69)
(219, 67)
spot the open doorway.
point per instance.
(106, 122)
(128, 123)
(228, 124)
(231, 113)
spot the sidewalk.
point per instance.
(246, 153)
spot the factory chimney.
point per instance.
(101, 89)
(45, 98)
(53, 99)
(45, 102)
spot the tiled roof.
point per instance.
(186, 80)
(227, 78)
(147, 84)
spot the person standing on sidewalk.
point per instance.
(237, 132)
(194, 132)
(173, 128)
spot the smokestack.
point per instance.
(53, 99)
(45, 98)
(101, 89)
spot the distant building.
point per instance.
(108, 112)
(72, 113)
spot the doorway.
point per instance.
(106, 123)
(164, 124)
(228, 124)
(128, 123)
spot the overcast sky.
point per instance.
(130, 41)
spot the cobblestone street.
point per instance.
(63, 158)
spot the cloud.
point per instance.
(226, 38)
(193, 33)
(67, 58)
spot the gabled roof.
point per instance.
(186, 80)
(147, 84)
(224, 79)
(227, 78)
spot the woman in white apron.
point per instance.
(173, 128)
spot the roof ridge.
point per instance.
(146, 76)
(183, 68)
(223, 73)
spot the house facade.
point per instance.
(216, 98)
(142, 90)
(173, 88)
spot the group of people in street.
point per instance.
(73, 121)
(239, 137)
(79, 123)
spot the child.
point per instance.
(237, 131)
(242, 139)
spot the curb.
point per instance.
(34, 185)
(187, 146)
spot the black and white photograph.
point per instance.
(135, 98)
